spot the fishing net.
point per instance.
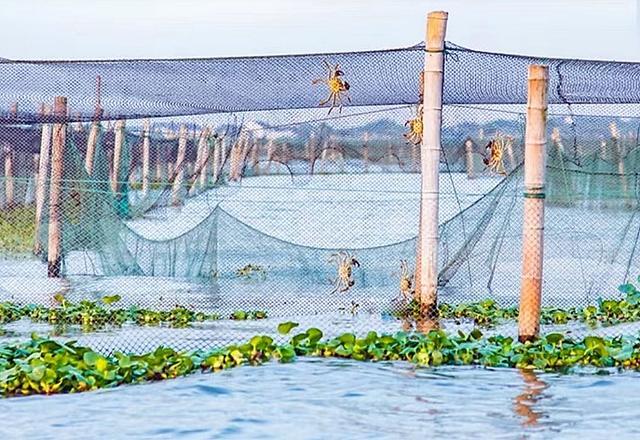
(231, 193)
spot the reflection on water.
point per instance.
(525, 404)
(331, 398)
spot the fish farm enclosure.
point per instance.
(197, 203)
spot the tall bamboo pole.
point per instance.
(43, 175)
(54, 256)
(118, 142)
(427, 258)
(179, 166)
(146, 157)
(534, 193)
(217, 159)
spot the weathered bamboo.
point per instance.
(204, 163)
(146, 157)
(92, 142)
(427, 256)
(118, 142)
(43, 174)
(468, 149)
(365, 152)
(54, 257)
(534, 193)
(9, 184)
(176, 198)
(217, 159)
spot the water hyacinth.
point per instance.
(45, 366)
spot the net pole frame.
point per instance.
(54, 255)
(43, 176)
(427, 256)
(534, 194)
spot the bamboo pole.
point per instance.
(533, 222)
(92, 142)
(176, 198)
(146, 157)
(118, 142)
(427, 255)
(217, 158)
(54, 256)
(9, 186)
(468, 149)
(41, 189)
(204, 163)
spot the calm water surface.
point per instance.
(323, 398)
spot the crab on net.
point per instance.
(415, 125)
(338, 87)
(493, 157)
(345, 263)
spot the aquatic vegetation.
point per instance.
(252, 272)
(17, 230)
(46, 366)
(488, 313)
(93, 315)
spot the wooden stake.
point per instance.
(533, 222)
(54, 256)
(92, 142)
(217, 157)
(43, 175)
(202, 158)
(427, 257)
(468, 148)
(118, 132)
(146, 157)
(176, 199)
(9, 188)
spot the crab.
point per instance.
(414, 135)
(338, 87)
(345, 262)
(494, 154)
(406, 281)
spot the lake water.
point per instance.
(330, 398)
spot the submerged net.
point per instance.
(241, 195)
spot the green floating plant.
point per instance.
(45, 366)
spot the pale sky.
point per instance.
(86, 29)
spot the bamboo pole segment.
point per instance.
(427, 255)
(176, 199)
(468, 149)
(534, 193)
(146, 157)
(9, 184)
(217, 159)
(204, 162)
(54, 257)
(92, 142)
(41, 188)
(118, 142)
(365, 152)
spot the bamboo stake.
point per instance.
(217, 157)
(427, 257)
(146, 156)
(41, 189)
(204, 163)
(117, 155)
(365, 153)
(92, 142)
(468, 148)
(9, 187)
(533, 222)
(176, 199)
(54, 256)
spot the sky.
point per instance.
(102, 29)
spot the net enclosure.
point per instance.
(197, 193)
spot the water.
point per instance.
(325, 398)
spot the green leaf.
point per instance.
(111, 299)
(285, 327)
(90, 358)
(315, 335)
